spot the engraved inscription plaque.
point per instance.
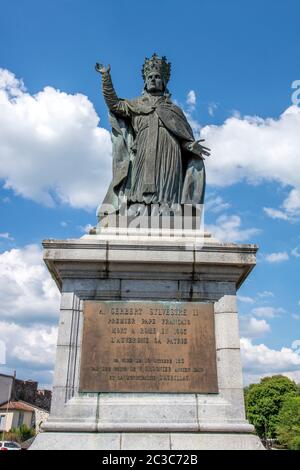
(148, 347)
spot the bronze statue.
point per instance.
(157, 163)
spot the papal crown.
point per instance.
(157, 64)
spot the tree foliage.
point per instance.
(264, 401)
(288, 427)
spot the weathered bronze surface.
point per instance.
(156, 158)
(148, 347)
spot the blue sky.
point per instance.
(237, 61)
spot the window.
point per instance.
(32, 424)
(11, 445)
(21, 418)
(2, 422)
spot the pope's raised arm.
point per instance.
(114, 104)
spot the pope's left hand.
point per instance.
(199, 149)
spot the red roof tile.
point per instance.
(16, 405)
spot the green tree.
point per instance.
(264, 400)
(288, 426)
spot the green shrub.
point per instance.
(295, 444)
(19, 434)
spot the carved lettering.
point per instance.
(170, 348)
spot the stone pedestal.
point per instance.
(122, 267)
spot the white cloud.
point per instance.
(290, 208)
(2, 352)
(216, 204)
(267, 312)
(296, 345)
(29, 311)
(6, 235)
(265, 293)
(195, 125)
(296, 252)
(228, 228)
(254, 149)
(250, 378)
(211, 108)
(292, 202)
(293, 375)
(28, 293)
(86, 228)
(245, 299)
(295, 316)
(259, 359)
(191, 105)
(51, 146)
(191, 98)
(10, 84)
(253, 328)
(32, 346)
(277, 257)
(276, 214)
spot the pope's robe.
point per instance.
(151, 164)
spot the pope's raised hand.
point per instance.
(101, 69)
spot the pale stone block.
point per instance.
(64, 367)
(145, 411)
(72, 409)
(228, 262)
(227, 331)
(228, 404)
(64, 424)
(164, 269)
(210, 441)
(153, 256)
(235, 397)
(142, 441)
(229, 368)
(230, 426)
(76, 441)
(218, 273)
(213, 409)
(67, 301)
(227, 304)
(228, 256)
(61, 366)
(145, 441)
(79, 253)
(64, 328)
(82, 407)
(58, 401)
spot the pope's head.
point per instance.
(154, 82)
(156, 74)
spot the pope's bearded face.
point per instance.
(154, 82)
